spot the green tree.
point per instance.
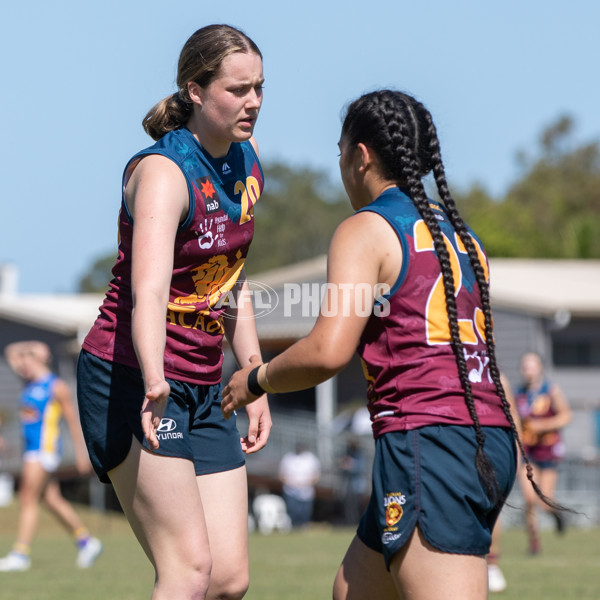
(553, 210)
(295, 219)
(95, 281)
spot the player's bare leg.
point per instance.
(160, 498)
(422, 572)
(61, 507)
(225, 501)
(362, 574)
(496, 579)
(33, 481)
(531, 503)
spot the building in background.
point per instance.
(549, 306)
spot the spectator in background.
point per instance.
(299, 471)
(45, 399)
(543, 411)
(354, 483)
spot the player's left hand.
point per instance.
(259, 425)
(236, 393)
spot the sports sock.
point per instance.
(22, 548)
(82, 536)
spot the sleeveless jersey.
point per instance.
(40, 416)
(537, 404)
(411, 371)
(210, 250)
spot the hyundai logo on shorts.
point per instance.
(167, 425)
(165, 430)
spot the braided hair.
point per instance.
(401, 132)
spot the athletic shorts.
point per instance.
(544, 464)
(48, 460)
(110, 397)
(427, 477)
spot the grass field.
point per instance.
(298, 566)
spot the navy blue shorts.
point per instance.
(110, 397)
(544, 464)
(427, 477)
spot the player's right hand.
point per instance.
(153, 409)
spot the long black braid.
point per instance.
(401, 132)
(483, 284)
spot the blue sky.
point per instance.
(78, 77)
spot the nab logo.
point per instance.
(166, 425)
(209, 194)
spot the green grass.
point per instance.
(298, 566)
(121, 572)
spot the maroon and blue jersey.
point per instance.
(533, 404)
(410, 367)
(210, 250)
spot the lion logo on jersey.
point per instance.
(212, 282)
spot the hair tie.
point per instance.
(181, 96)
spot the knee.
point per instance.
(28, 497)
(51, 498)
(198, 576)
(232, 587)
(530, 504)
(190, 580)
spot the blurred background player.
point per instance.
(45, 399)
(543, 411)
(299, 471)
(496, 579)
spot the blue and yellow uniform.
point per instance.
(40, 414)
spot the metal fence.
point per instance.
(578, 482)
(578, 485)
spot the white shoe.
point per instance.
(496, 581)
(87, 555)
(15, 562)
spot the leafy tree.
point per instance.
(553, 211)
(295, 218)
(95, 281)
